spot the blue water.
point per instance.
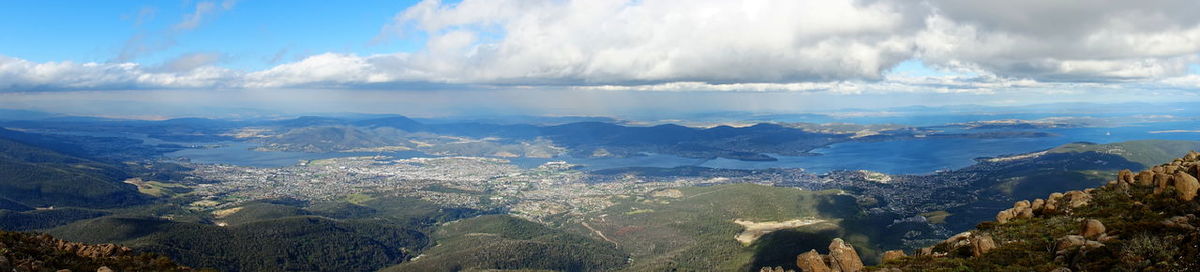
(915, 156)
(241, 153)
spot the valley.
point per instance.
(435, 193)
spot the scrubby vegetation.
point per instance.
(35, 252)
(291, 243)
(1141, 225)
(503, 242)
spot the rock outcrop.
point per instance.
(981, 244)
(1068, 228)
(774, 269)
(1092, 229)
(893, 255)
(842, 258)
(1187, 186)
(812, 261)
(41, 252)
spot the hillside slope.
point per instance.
(1146, 152)
(1138, 222)
(296, 243)
(40, 252)
(32, 176)
(506, 242)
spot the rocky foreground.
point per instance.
(1139, 222)
(23, 252)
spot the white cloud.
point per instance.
(840, 46)
(22, 75)
(1107, 40)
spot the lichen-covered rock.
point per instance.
(1037, 205)
(812, 261)
(1186, 185)
(1092, 229)
(843, 257)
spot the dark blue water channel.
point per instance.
(914, 156)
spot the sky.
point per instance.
(589, 57)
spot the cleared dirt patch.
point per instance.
(753, 230)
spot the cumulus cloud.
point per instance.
(788, 45)
(22, 75)
(842, 46)
(1108, 40)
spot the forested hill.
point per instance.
(35, 176)
(40, 252)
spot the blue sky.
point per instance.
(516, 51)
(250, 35)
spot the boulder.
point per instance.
(1049, 208)
(1005, 215)
(1022, 209)
(893, 255)
(1023, 212)
(1037, 205)
(104, 269)
(1069, 242)
(1145, 178)
(1191, 156)
(981, 244)
(1125, 176)
(1170, 169)
(843, 257)
(1186, 185)
(1076, 199)
(1054, 197)
(812, 261)
(1092, 229)
(772, 269)
(1161, 182)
